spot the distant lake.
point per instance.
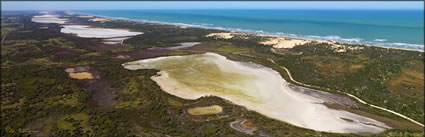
(392, 28)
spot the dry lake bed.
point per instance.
(253, 86)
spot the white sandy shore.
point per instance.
(289, 42)
(257, 88)
(89, 32)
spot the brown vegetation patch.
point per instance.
(353, 68)
(64, 52)
(103, 96)
(410, 80)
(204, 47)
(249, 123)
(150, 53)
(105, 47)
(330, 68)
(283, 51)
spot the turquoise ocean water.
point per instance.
(391, 28)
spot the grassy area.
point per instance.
(68, 122)
(214, 109)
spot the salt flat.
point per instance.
(253, 86)
(91, 32)
(48, 18)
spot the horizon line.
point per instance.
(228, 9)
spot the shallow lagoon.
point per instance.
(90, 32)
(48, 18)
(253, 86)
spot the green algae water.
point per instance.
(391, 28)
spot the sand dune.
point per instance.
(255, 87)
(284, 42)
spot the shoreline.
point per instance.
(183, 26)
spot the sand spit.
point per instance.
(196, 111)
(89, 32)
(48, 18)
(255, 87)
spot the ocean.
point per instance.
(390, 28)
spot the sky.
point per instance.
(105, 5)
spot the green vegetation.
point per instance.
(39, 99)
(385, 77)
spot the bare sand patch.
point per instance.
(70, 70)
(81, 75)
(342, 48)
(221, 35)
(214, 109)
(281, 42)
(89, 32)
(257, 88)
(122, 57)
